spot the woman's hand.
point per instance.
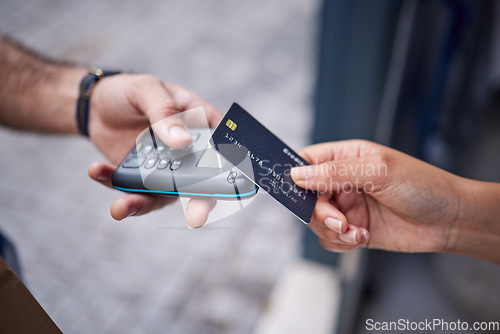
(374, 196)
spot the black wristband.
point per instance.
(82, 106)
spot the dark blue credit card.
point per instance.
(264, 158)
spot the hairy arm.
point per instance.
(37, 94)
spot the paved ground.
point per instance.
(151, 274)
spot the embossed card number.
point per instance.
(264, 158)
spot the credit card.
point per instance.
(263, 158)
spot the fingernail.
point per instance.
(302, 173)
(195, 227)
(178, 131)
(364, 236)
(349, 237)
(334, 224)
(102, 178)
(132, 210)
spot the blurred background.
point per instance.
(421, 76)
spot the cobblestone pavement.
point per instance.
(151, 274)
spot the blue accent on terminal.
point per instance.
(185, 194)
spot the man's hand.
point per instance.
(374, 196)
(38, 94)
(121, 107)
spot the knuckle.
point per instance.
(330, 235)
(147, 79)
(336, 248)
(383, 160)
(329, 246)
(362, 142)
(383, 157)
(166, 106)
(329, 168)
(139, 83)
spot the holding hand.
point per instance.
(374, 196)
(40, 95)
(124, 105)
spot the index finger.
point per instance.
(163, 105)
(185, 100)
(338, 150)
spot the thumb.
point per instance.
(197, 211)
(366, 174)
(172, 130)
(150, 96)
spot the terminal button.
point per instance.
(232, 177)
(150, 163)
(176, 164)
(133, 162)
(162, 164)
(147, 149)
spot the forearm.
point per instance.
(477, 231)
(37, 94)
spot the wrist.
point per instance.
(58, 99)
(66, 100)
(46, 103)
(86, 87)
(476, 231)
